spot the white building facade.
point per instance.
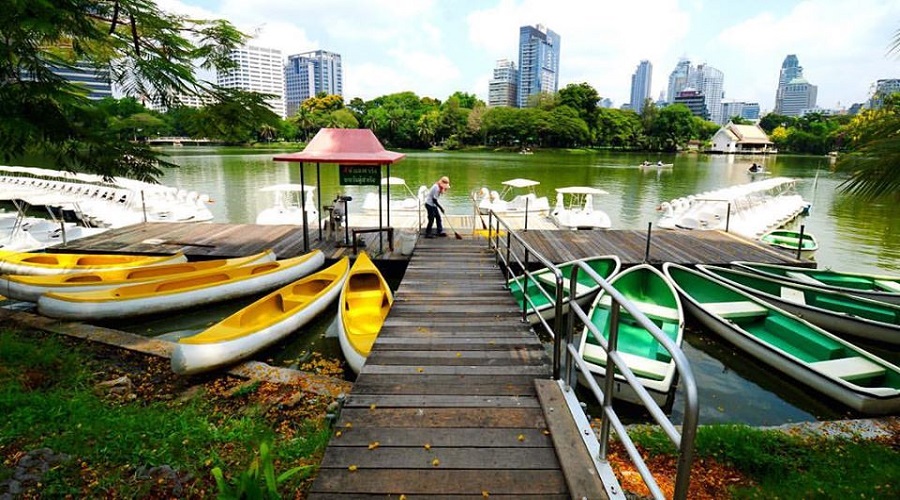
(502, 87)
(258, 70)
(310, 73)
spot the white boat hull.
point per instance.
(51, 306)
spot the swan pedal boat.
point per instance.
(179, 292)
(38, 263)
(871, 286)
(797, 348)
(29, 288)
(653, 294)
(837, 312)
(365, 302)
(262, 323)
(540, 288)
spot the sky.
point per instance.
(437, 47)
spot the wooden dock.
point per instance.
(447, 403)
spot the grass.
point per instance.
(781, 465)
(49, 399)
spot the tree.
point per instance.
(583, 98)
(673, 127)
(875, 151)
(236, 116)
(148, 52)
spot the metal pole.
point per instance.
(800, 241)
(613, 343)
(143, 205)
(319, 196)
(526, 215)
(647, 250)
(303, 211)
(728, 217)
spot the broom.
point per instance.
(447, 220)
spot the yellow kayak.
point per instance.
(365, 302)
(63, 263)
(30, 288)
(262, 323)
(179, 292)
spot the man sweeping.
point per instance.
(434, 208)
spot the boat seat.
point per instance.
(803, 278)
(549, 279)
(641, 366)
(871, 311)
(649, 309)
(801, 337)
(850, 369)
(887, 285)
(793, 295)
(736, 309)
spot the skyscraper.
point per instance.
(678, 79)
(883, 88)
(798, 96)
(502, 88)
(96, 81)
(640, 85)
(790, 69)
(709, 81)
(310, 73)
(538, 62)
(258, 70)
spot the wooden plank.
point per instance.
(533, 371)
(454, 457)
(438, 401)
(446, 437)
(581, 476)
(373, 383)
(436, 481)
(443, 417)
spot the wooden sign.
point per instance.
(360, 175)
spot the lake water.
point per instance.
(853, 235)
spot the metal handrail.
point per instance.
(566, 371)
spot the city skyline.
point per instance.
(435, 48)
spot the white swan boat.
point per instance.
(579, 211)
(286, 206)
(412, 203)
(517, 205)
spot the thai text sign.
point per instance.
(360, 175)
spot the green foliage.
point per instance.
(874, 144)
(258, 481)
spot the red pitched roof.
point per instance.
(352, 146)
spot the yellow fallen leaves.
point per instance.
(427, 446)
(352, 468)
(420, 369)
(338, 434)
(372, 406)
(521, 437)
(374, 444)
(435, 462)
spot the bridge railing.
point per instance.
(568, 365)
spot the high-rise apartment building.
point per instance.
(678, 79)
(745, 110)
(640, 85)
(790, 70)
(798, 96)
(538, 62)
(311, 73)
(258, 70)
(502, 88)
(96, 81)
(710, 82)
(694, 100)
(883, 88)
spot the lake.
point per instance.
(853, 235)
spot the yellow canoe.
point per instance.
(62, 263)
(365, 302)
(262, 323)
(179, 292)
(30, 287)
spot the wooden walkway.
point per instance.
(447, 403)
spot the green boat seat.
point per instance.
(649, 309)
(641, 366)
(801, 337)
(868, 311)
(736, 309)
(888, 286)
(850, 369)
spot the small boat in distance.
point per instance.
(286, 206)
(262, 323)
(871, 286)
(364, 304)
(658, 164)
(785, 342)
(837, 312)
(652, 293)
(790, 240)
(540, 289)
(579, 211)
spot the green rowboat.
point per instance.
(540, 288)
(788, 240)
(871, 286)
(654, 295)
(795, 347)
